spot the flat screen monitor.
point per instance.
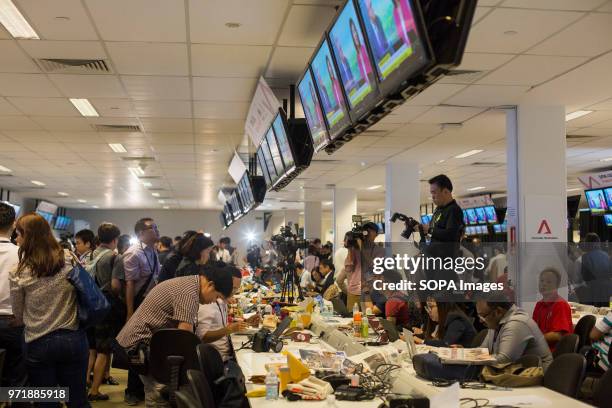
(280, 131)
(608, 219)
(222, 219)
(398, 41)
(504, 226)
(465, 218)
(353, 60)
(480, 215)
(497, 228)
(268, 160)
(483, 229)
(227, 210)
(47, 216)
(311, 106)
(62, 222)
(261, 162)
(596, 199)
(469, 231)
(490, 214)
(471, 216)
(330, 91)
(275, 153)
(236, 208)
(608, 194)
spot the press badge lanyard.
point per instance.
(229, 339)
(152, 268)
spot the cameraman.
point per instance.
(369, 250)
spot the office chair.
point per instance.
(567, 344)
(565, 374)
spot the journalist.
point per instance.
(369, 250)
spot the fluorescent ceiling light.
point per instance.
(607, 159)
(155, 194)
(577, 114)
(117, 147)
(440, 161)
(5, 169)
(84, 106)
(572, 189)
(166, 207)
(476, 188)
(327, 202)
(136, 171)
(61, 193)
(381, 209)
(94, 206)
(15, 23)
(38, 183)
(147, 184)
(80, 200)
(161, 201)
(374, 187)
(468, 154)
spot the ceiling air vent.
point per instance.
(487, 164)
(579, 137)
(6, 175)
(138, 158)
(73, 66)
(117, 128)
(466, 75)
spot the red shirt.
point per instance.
(553, 316)
(398, 308)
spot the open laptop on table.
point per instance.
(340, 307)
(391, 330)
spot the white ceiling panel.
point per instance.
(139, 20)
(168, 125)
(580, 5)
(604, 105)
(64, 49)
(7, 109)
(58, 19)
(88, 86)
(229, 60)
(607, 7)
(259, 21)
(405, 113)
(591, 119)
(587, 37)
(157, 87)
(223, 89)
(114, 107)
(68, 124)
(220, 110)
(171, 139)
(216, 126)
(288, 62)
(163, 109)
(14, 60)
(149, 58)
(170, 148)
(445, 114)
(435, 94)
(305, 25)
(27, 85)
(489, 95)
(530, 27)
(44, 106)
(531, 70)
(482, 61)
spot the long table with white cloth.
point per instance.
(405, 382)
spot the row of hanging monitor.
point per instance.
(375, 55)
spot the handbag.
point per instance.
(513, 375)
(92, 305)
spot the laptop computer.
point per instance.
(409, 339)
(340, 307)
(391, 330)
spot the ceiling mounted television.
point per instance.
(490, 214)
(353, 60)
(236, 205)
(469, 231)
(471, 216)
(398, 40)
(465, 218)
(497, 228)
(596, 200)
(480, 215)
(483, 229)
(227, 211)
(277, 162)
(47, 216)
(62, 222)
(268, 161)
(330, 91)
(608, 194)
(224, 223)
(311, 106)
(608, 219)
(280, 131)
(261, 162)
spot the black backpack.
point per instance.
(226, 381)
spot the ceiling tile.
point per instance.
(88, 86)
(114, 107)
(289, 62)
(27, 85)
(220, 110)
(305, 25)
(445, 114)
(531, 27)
(167, 125)
(604, 105)
(581, 5)
(217, 126)
(259, 21)
(488, 95)
(44, 106)
(405, 113)
(223, 89)
(531, 70)
(149, 58)
(170, 138)
(229, 60)
(163, 109)
(14, 60)
(157, 87)
(7, 109)
(590, 119)
(139, 20)
(58, 19)
(64, 49)
(435, 94)
(56, 124)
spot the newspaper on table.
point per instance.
(373, 358)
(327, 360)
(473, 356)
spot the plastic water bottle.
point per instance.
(271, 385)
(364, 328)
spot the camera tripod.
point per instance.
(290, 281)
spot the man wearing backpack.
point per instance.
(101, 268)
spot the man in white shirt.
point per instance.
(223, 253)
(11, 330)
(496, 265)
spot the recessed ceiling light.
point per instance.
(94, 206)
(577, 114)
(15, 23)
(161, 201)
(363, 164)
(84, 107)
(147, 184)
(166, 207)
(136, 171)
(468, 154)
(381, 209)
(155, 194)
(440, 161)
(232, 24)
(80, 200)
(61, 193)
(301, 212)
(607, 159)
(374, 187)
(476, 188)
(573, 189)
(117, 147)
(5, 169)
(327, 202)
(510, 32)
(38, 183)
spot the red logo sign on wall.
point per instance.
(544, 228)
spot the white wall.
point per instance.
(175, 222)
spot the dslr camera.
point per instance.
(409, 222)
(264, 341)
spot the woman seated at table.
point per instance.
(552, 314)
(447, 325)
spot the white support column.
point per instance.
(345, 206)
(537, 209)
(402, 194)
(293, 217)
(312, 220)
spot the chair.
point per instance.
(603, 393)
(210, 362)
(171, 353)
(567, 344)
(185, 399)
(565, 374)
(529, 360)
(200, 388)
(583, 330)
(479, 338)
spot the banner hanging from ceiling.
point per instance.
(264, 107)
(596, 180)
(478, 201)
(236, 168)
